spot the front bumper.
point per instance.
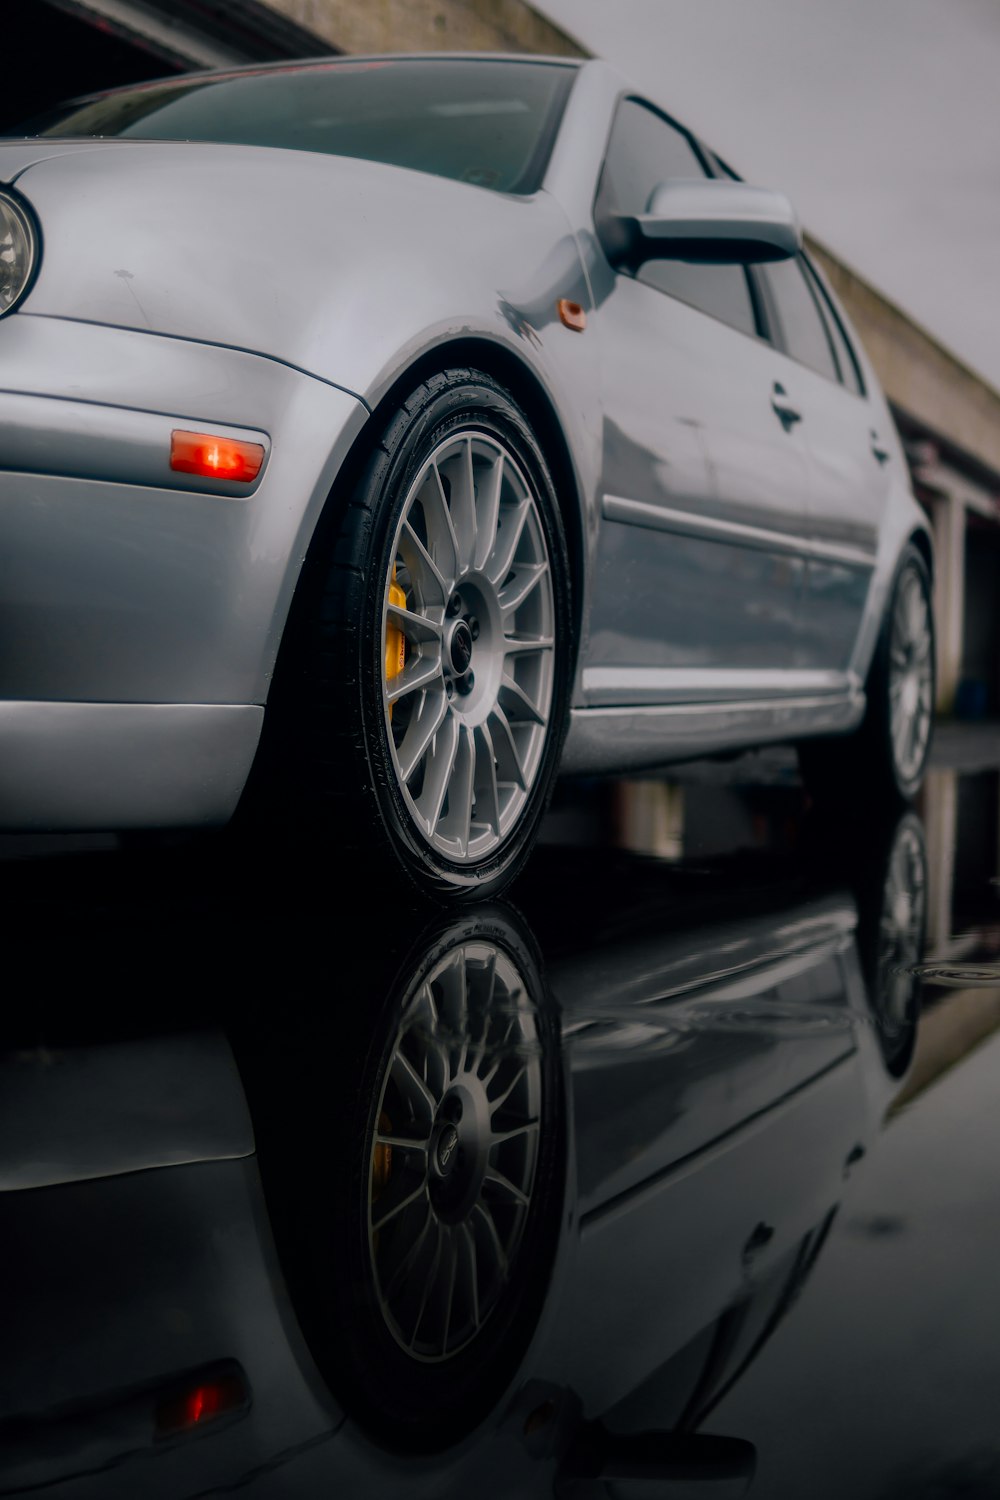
(123, 765)
(141, 610)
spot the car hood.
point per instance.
(327, 263)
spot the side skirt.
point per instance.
(631, 739)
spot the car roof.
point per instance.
(323, 61)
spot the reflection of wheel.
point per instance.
(417, 1234)
(891, 926)
(455, 1149)
(437, 643)
(889, 752)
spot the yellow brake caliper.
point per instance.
(395, 641)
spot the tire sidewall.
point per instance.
(463, 400)
(880, 714)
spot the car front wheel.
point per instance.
(432, 656)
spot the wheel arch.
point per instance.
(531, 395)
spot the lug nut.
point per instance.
(449, 687)
(455, 605)
(467, 683)
(474, 627)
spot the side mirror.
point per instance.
(706, 221)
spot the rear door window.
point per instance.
(793, 307)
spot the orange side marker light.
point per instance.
(215, 457)
(571, 315)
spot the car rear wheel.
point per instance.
(888, 754)
(430, 661)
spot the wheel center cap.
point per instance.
(446, 1150)
(461, 648)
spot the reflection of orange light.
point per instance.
(202, 1403)
(215, 457)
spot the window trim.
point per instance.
(757, 310)
(829, 312)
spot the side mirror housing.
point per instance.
(707, 221)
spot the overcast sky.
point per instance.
(880, 118)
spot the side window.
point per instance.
(644, 151)
(850, 371)
(800, 324)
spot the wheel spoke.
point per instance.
(463, 503)
(472, 1275)
(420, 733)
(487, 792)
(526, 578)
(402, 1142)
(429, 1281)
(516, 703)
(419, 672)
(437, 776)
(450, 1300)
(400, 1271)
(440, 526)
(488, 511)
(501, 1057)
(429, 582)
(416, 628)
(495, 1104)
(501, 559)
(457, 824)
(504, 1185)
(488, 1222)
(488, 983)
(509, 767)
(526, 645)
(498, 1137)
(392, 1203)
(414, 1089)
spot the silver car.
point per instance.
(378, 437)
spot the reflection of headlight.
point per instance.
(18, 251)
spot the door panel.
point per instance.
(848, 483)
(701, 560)
(701, 564)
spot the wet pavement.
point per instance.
(675, 1174)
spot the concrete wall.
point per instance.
(429, 25)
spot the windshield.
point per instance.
(486, 122)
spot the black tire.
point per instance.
(319, 1095)
(866, 766)
(329, 749)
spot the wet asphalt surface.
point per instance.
(676, 1173)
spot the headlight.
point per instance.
(18, 251)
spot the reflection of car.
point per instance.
(559, 1278)
(438, 405)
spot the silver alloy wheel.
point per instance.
(901, 929)
(911, 675)
(468, 715)
(455, 1150)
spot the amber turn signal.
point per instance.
(571, 315)
(215, 457)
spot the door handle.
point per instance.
(882, 454)
(786, 413)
